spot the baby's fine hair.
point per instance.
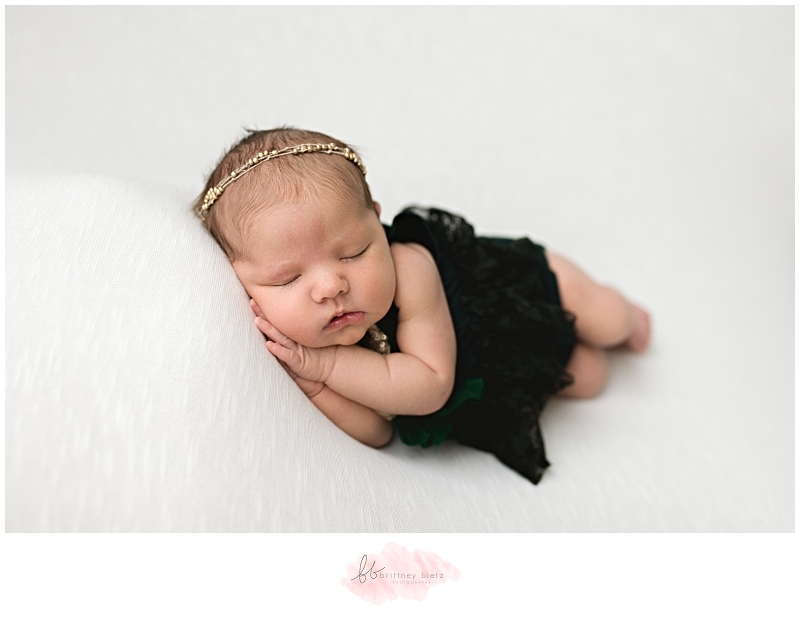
(278, 180)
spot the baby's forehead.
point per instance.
(287, 233)
(316, 217)
(332, 212)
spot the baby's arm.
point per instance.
(356, 420)
(417, 381)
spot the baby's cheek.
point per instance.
(274, 312)
(296, 325)
(383, 284)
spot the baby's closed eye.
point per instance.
(357, 255)
(288, 283)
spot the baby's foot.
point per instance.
(640, 335)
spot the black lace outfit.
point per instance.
(513, 337)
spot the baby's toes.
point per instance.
(640, 336)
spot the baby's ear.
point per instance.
(377, 207)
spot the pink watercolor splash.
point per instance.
(397, 572)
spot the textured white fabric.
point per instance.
(140, 397)
(653, 145)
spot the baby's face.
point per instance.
(320, 270)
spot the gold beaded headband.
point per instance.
(212, 195)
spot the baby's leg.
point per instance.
(589, 368)
(603, 317)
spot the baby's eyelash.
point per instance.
(358, 254)
(288, 283)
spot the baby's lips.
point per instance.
(345, 319)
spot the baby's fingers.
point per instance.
(256, 309)
(287, 357)
(273, 333)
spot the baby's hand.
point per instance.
(310, 364)
(309, 387)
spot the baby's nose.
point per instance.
(330, 285)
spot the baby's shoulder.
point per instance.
(411, 255)
(416, 271)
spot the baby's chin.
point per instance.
(349, 335)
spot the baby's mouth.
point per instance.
(345, 319)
